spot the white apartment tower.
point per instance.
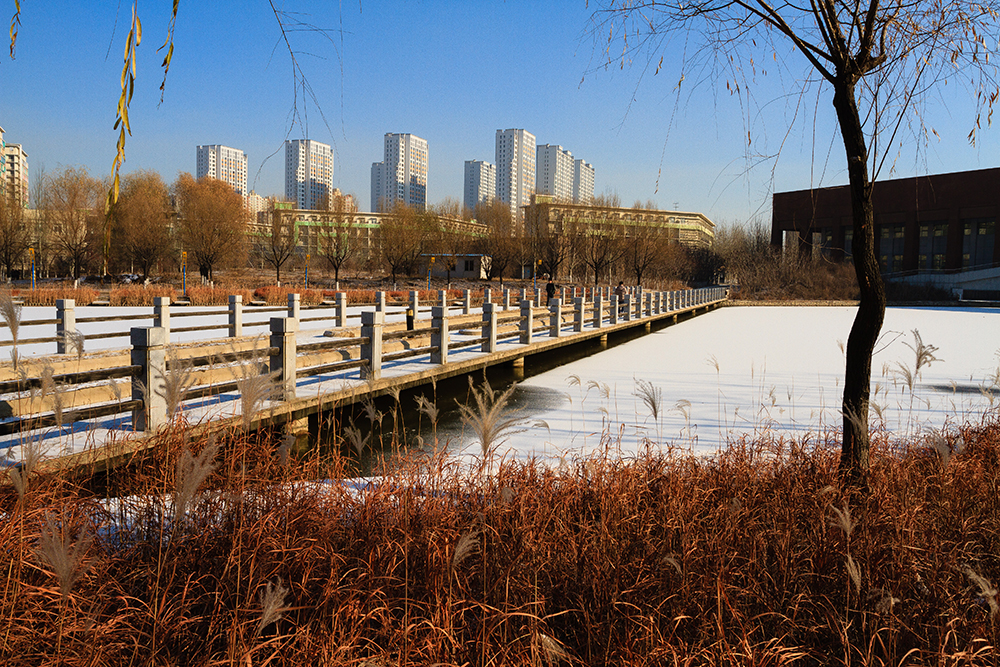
(402, 174)
(16, 176)
(554, 171)
(308, 173)
(583, 182)
(480, 183)
(515, 158)
(224, 164)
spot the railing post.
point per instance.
(149, 352)
(439, 337)
(527, 321)
(627, 307)
(340, 319)
(598, 307)
(538, 298)
(161, 313)
(443, 300)
(555, 317)
(649, 303)
(282, 367)
(489, 327)
(371, 330)
(467, 302)
(581, 305)
(294, 305)
(487, 296)
(524, 294)
(415, 304)
(506, 298)
(235, 315)
(66, 326)
(379, 302)
(613, 312)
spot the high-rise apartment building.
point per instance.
(554, 172)
(16, 176)
(402, 174)
(480, 183)
(225, 164)
(3, 166)
(515, 158)
(583, 182)
(308, 173)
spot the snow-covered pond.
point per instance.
(746, 369)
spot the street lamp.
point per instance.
(307, 270)
(538, 265)
(31, 253)
(429, 274)
(184, 272)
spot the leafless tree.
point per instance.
(212, 222)
(15, 235)
(72, 204)
(338, 240)
(403, 236)
(275, 241)
(879, 58)
(600, 242)
(501, 245)
(141, 228)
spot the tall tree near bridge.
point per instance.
(880, 58)
(213, 222)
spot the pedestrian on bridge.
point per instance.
(550, 291)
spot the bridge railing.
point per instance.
(156, 376)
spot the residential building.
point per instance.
(3, 165)
(402, 174)
(583, 182)
(928, 229)
(480, 183)
(554, 170)
(308, 173)
(16, 176)
(224, 164)
(515, 164)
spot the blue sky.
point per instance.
(450, 72)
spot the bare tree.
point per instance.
(600, 242)
(338, 240)
(879, 58)
(15, 235)
(72, 205)
(212, 221)
(141, 226)
(643, 248)
(275, 242)
(500, 246)
(403, 237)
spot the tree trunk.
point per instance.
(854, 457)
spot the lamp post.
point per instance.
(307, 270)
(184, 272)
(31, 253)
(429, 274)
(538, 264)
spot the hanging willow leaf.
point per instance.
(15, 23)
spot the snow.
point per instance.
(742, 370)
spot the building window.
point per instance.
(933, 246)
(977, 242)
(891, 240)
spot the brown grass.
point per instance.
(666, 559)
(48, 296)
(216, 296)
(140, 295)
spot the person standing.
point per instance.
(621, 292)
(550, 291)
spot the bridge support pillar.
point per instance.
(555, 317)
(604, 341)
(489, 327)
(65, 326)
(282, 366)
(340, 319)
(439, 337)
(371, 330)
(149, 351)
(580, 310)
(294, 306)
(527, 321)
(161, 313)
(598, 310)
(235, 315)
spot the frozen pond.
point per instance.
(743, 370)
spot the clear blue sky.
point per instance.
(450, 72)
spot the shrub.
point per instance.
(140, 295)
(216, 296)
